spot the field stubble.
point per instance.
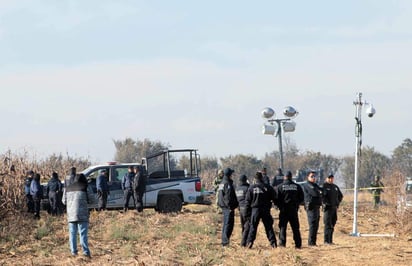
(192, 237)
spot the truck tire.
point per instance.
(169, 203)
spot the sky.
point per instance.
(76, 75)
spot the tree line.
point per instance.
(372, 162)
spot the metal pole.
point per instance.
(280, 143)
(358, 134)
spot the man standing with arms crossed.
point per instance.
(313, 201)
(332, 196)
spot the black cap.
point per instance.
(288, 174)
(30, 172)
(330, 175)
(228, 171)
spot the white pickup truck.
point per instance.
(172, 180)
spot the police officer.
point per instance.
(227, 201)
(332, 197)
(266, 178)
(377, 186)
(127, 187)
(54, 187)
(139, 188)
(313, 201)
(259, 198)
(37, 194)
(103, 190)
(278, 178)
(29, 198)
(289, 197)
(244, 210)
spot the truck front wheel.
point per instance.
(169, 203)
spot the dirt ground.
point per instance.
(192, 237)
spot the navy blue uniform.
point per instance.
(259, 198)
(139, 188)
(54, 188)
(332, 196)
(289, 197)
(103, 191)
(313, 201)
(244, 210)
(227, 201)
(29, 198)
(127, 186)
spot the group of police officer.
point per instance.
(255, 201)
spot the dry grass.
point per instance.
(193, 238)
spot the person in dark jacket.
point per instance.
(259, 198)
(266, 178)
(77, 194)
(278, 178)
(139, 188)
(377, 186)
(37, 194)
(332, 197)
(227, 201)
(289, 197)
(54, 187)
(102, 190)
(127, 187)
(244, 210)
(29, 198)
(313, 201)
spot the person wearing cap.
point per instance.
(29, 198)
(377, 189)
(278, 178)
(332, 197)
(216, 183)
(54, 187)
(244, 210)
(227, 201)
(289, 197)
(313, 200)
(103, 190)
(127, 187)
(259, 198)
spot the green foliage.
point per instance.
(129, 150)
(41, 232)
(242, 164)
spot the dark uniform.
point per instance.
(278, 178)
(54, 188)
(37, 194)
(244, 210)
(313, 201)
(266, 178)
(259, 198)
(376, 192)
(332, 196)
(227, 201)
(289, 197)
(29, 198)
(127, 186)
(139, 188)
(103, 190)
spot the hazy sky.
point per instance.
(74, 75)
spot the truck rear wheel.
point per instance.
(169, 203)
